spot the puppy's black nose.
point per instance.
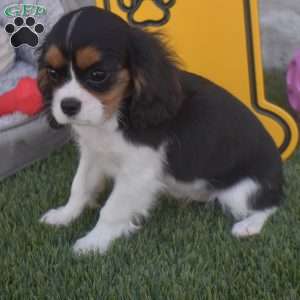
(70, 106)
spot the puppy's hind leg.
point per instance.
(253, 224)
(242, 200)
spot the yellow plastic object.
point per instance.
(219, 40)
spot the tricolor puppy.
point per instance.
(152, 128)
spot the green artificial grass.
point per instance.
(183, 251)
(276, 91)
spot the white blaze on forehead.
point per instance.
(71, 29)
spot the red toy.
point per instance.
(24, 98)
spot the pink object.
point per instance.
(25, 98)
(293, 82)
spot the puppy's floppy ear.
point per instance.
(156, 95)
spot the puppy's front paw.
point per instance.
(101, 237)
(246, 228)
(90, 243)
(58, 217)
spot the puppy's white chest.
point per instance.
(104, 147)
(100, 141)
(118, 157)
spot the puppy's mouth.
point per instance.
(53, 123)
(73, 120)
(80, 122)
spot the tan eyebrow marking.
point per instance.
(55, 58)
(88, 56)
(113, 98)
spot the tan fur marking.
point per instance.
(42, 80)
(112, 99)
(86, 57)
(55, 58)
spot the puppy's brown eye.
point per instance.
(97, 76)
(53, 74)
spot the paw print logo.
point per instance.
(132, 7)
(24, 32)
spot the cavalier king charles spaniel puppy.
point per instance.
(151, 127)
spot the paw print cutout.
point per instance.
(24, 32)
(132, 8)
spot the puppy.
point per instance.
(152, 128)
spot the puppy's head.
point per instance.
(94, 66)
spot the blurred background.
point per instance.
(280, 23)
